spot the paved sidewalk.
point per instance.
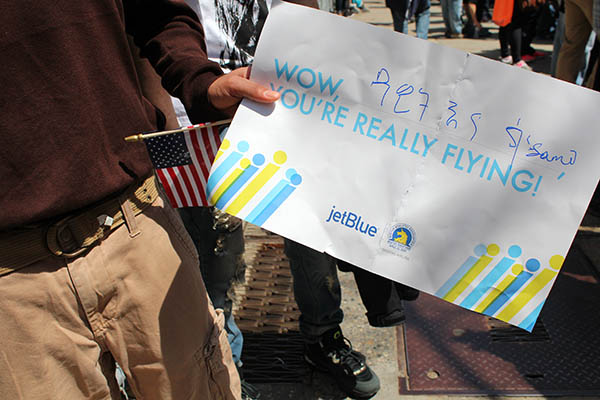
(380, 345)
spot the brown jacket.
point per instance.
(70, 94)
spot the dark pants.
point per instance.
(318, 294)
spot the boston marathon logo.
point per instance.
(399, 238)
(251, 188)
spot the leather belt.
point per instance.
(74, 234)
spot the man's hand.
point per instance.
(227, 91)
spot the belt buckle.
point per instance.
(59, 233)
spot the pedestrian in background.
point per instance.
(508, 16)
(451, 13)
(473, 28)
(403, 10)
(578, 26)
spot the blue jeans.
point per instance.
(451, 11)
(219, 239)
(403, 12)
(423, 22)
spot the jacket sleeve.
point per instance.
(171, 37)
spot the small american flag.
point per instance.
(182, 161)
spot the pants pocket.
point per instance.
(217, 361)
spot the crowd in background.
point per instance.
(519, 23)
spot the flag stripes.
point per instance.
(182, 161)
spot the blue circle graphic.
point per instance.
(480, 250)
(532, 265)
(243, 146)
(258, 159)
(514, 251)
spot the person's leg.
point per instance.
(381, 297)
(470, 10)
(47, 350)
(451, 12)
(219, 240)
(503, 34)
(445, 4)
(154, 314)
(584, 77)
(577, 33)
(474, 29)
(316, 289)
(235, 338)
(456, 24)
(318, 295)
(484, 11)
(558, 39)
(422, 17)
(596, 86)
(529, 22)
(137, 297)
(479, 9)
(399, 19)
(514, 38)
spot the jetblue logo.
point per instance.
(399, 238)
(352, 221)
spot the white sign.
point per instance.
(460, 176)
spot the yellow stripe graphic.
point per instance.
(497, 291)
(244, 163)
(225, 185)
(253, 187)
(224, 146)
(471, 274)
(534, 287)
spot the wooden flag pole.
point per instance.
(141, 136)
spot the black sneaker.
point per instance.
(333, 354)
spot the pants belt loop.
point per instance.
(129, 217)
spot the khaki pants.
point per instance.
(138, 299)
(578, 26)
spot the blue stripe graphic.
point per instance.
(529, 322)
(446, 287)
(507, 294)
(272, 202)
(487, 282)
(222, 169)
(235, 186)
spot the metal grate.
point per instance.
(502, 332)
(267, 304)
(267, 314)
(450, 350)
(273, 357)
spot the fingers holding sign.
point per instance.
(228, 90)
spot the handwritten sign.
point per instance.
(460, 176)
